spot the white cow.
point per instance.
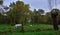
(17, 25)
(30, 25)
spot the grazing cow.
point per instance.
(18, 25)
(30, 25)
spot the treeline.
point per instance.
(20, 13)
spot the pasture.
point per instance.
(41, 29)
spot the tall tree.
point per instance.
(17, 12)
(40, 12)
(35, 16)
(54, 14)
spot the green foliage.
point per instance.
(18, 12)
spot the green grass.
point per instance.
(35, 33)
(27, 27)
(41, 26)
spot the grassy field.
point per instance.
(35, 33)
(44, 30)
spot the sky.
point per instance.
(37, 4)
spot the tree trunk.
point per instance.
(54, 22)
(22, 28)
